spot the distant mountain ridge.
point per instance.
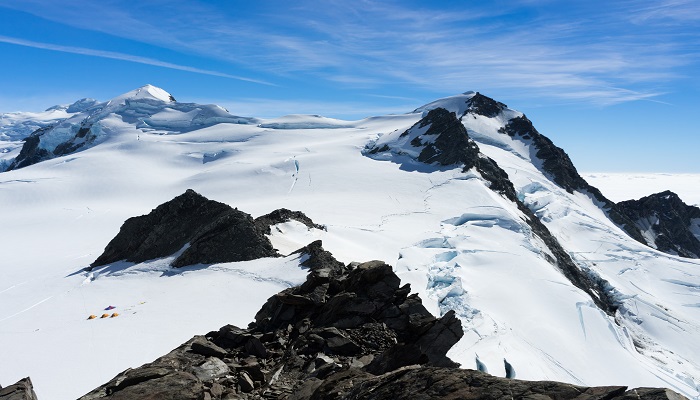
(149, 108)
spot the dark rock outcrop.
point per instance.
(214, 231)
(557, 164)
(264, 222)
(483, 105)
(442, 383)
(349, 332)
(450, 145)
(31, 153)
(22, 390)
(668, 220)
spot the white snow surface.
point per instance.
(459, 244)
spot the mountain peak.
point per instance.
(146, 92)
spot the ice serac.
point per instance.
(348, 332)
(207, 231)
(148, 109)
(442, 140)
(667, 223)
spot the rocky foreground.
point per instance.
(348, 332)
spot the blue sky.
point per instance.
(615, 84)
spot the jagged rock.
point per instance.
(22, 390)
(245, 382)
(319, 261)
(202, 346)
(668, 221)
(214, 231)
(264, 222)
(486, 106)
(31, 153)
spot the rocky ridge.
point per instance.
(559, 166)
(202, 231)
(671, 225)
(440, 138)
(348, 332)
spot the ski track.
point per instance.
(26, 309)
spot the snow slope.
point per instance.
(459, 244)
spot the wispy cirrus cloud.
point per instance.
(532, 47)
(123, 57)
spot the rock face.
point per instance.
(348, 332)
(214, 231)
(22, 390)
(669, 224)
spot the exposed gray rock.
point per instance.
(201, 345)
(245, 382)
(22, 390)
(211, 368)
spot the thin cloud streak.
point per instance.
(273, 108)
(124, 57)
(370, 44)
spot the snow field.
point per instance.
(458, 244)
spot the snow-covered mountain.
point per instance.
(472, 206)
(148, 108)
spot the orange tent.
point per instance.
(104, 316)
(114, 315)
(92, 316)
